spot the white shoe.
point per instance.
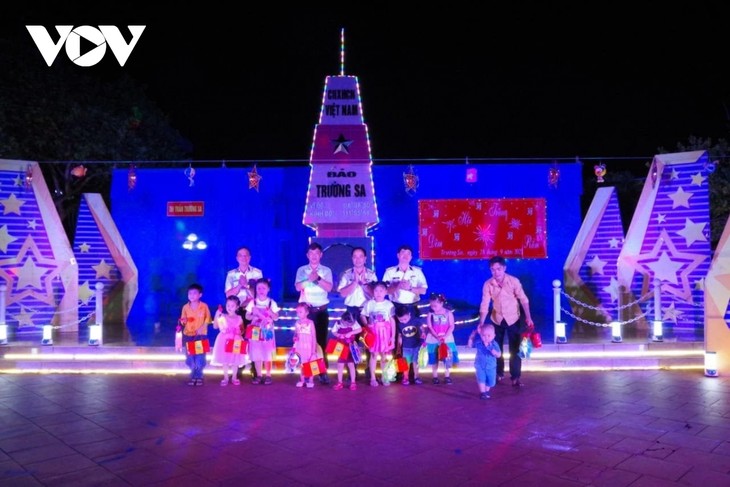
(300, 384)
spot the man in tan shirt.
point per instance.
(505, 294)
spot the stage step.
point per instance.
(136, 359)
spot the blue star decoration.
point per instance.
(341, 145)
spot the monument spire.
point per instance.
(342, 52)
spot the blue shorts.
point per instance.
(486, 375)
(432, 358)
(411, 355)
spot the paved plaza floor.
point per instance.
(613, 428)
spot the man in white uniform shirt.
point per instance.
(406, 283)
(354, 283)
(314, 281)
(239, 283)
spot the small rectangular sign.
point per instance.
(185, 208)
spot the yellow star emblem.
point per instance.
(19, 181)
(11, 204)
(84, 248)
(5, 238)
(24, 318)
(85, 293)
(29, 275)
(32, 224)
(11, 270)
(102, 269)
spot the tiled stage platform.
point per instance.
(607, 426)
(601, 428)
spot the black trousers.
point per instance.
(514, 337)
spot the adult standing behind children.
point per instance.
(354, 284)
(505, 294)
(314, 282)
(406, 283)
(240, 283)
(239, 280)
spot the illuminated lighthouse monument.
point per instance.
(340, 203)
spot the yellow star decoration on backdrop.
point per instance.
(5, 238)
(85, 293)
(680, 198)
(24, 317)
(597, 265)
(670, 265)
(32, 224)
(29, 275)
(102, 269)
(11, 204)
(19, 181)
(84, 248)
(16, 271)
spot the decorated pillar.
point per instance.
(340, 204)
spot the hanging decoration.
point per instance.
(710, 166)
(410, 181)
(136, 119)
(131, 177)
(78, 171)
(28, 180)
(599, 170)
(190, 174)
(654, 173)
(254, 178)
(554, 175)
(471, 173)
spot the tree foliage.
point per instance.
(65, 116)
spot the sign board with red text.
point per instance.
(482, 228)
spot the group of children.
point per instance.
(236, 345)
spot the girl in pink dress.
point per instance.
(440, 326)
(305, 341)
(263, 312)
(380, 312)
(230, 325)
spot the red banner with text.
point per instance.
(482, 228)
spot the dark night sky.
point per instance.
(537, 82)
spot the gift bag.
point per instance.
(535, 339)
(401, 365)
(338, 348)
(389, 371)
(236, 346)
(253, 333)
(423, 356)
(313, 367)
(293, 361)
(198, 347)
(525, 347)
(355, 353)
(178, 341)
(368, 337)
(442, 352)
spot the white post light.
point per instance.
(616, 332)
(560, 333)
(711, 364)
(657, 331)
(47, 335)
(3, 323)
(558, 326)
(95, 330)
